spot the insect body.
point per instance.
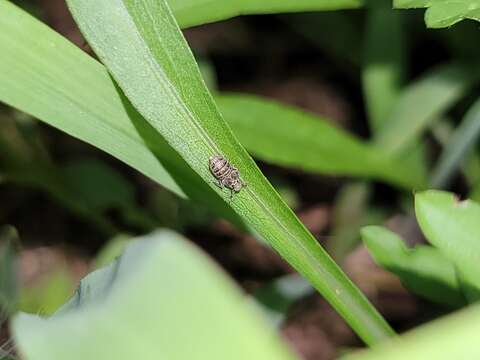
(226, 174)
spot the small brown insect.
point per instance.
(226, 174)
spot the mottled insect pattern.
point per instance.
(226, 174)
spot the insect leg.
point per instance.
(219, 184)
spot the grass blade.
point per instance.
(383, 64)
(48, 77)
(421, 103)
(195, 12)
(146, 53)
(457, 148)
(286, 136)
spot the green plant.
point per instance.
(445, 272)
(146, 104)
(444, 12)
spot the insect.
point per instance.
(226, 174)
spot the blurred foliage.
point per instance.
(151, 287)
(414, 123)
(47, 294)
(423, 269)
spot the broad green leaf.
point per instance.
(452, 337)
(195, 12)
(141, 307)
(458, 147)
(423, 102)
(383, 64)
(443, 13)
(452, 226)
(289, 137)
(423, 269)
(146, 53)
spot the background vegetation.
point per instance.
(362, 121)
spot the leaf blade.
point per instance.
(457, 147)
(128, 315)
(286, 136)
(78, 80)
(423, 269)
(443, 13)
(452, 226)
(126, 36)
(421, 103)
(194, 12)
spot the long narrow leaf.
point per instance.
(195, 12)
(383, 64)
(423, 102)
(146, 53)
(45, 75)
(289, 137)
(458, 147)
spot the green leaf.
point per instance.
(458, 147)
(48, 77)
(424, 270)
(289, 137)
(423, 102)
(452, 337)
(140, 307)
(383, 64)
(146, 53)
(195, 12)
(443, 13)
(452, 226)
